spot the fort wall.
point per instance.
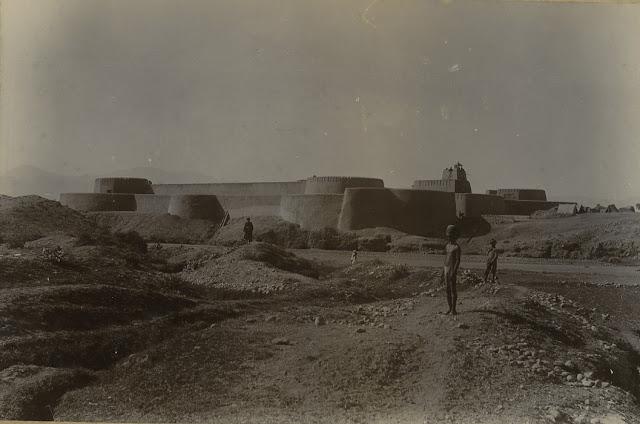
(239, 206)
(152, 203)
(475, 205)
(337, 185)
(233, 189)
(196, 207)
(91, 202)
(527, 207)
(522, 194)
(451, 186)
(122, 185)
(420, 212)
(312, 211)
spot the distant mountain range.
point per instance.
(28, 179)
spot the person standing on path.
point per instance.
(451, 265)
(354, 256)
(492, 262)
(248, 231)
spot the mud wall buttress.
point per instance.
(122, 185)
(312, 211)
(419, 212)
(92, 202)
(475, 205)
(152, 203)
(196, 207)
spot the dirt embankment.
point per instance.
(259, 334)
(28, 218)
(610, 237)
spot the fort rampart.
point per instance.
(122, 185)
(337, 185)
(522, 194)
(92, 202)
(312, 211)
(420, 212)
(475, 205)
(196, 206)
(233, 189)
(451, 186)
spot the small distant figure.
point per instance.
(451, 265)
(492, 262)
(248, 231)
(354, 256)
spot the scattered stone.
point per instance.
(556, 416)
(281, 341)
(360, 330)
(462, 326)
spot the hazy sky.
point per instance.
(522, 93)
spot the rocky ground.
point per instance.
(99, 337)
(118, 330)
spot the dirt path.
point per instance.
(622, 274)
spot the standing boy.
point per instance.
(354, 256)
(492, 262)
(451, 265)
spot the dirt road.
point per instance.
(592, 270)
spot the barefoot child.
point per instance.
(451, 265)
(354, 256)
(492, 262)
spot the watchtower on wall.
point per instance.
(454, 180)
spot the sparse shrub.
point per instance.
(55, 256)
(131, 240)
(399, 271)
(132, 259)
(16, 242)
(85, 239)
(332, 239)
(374, 244)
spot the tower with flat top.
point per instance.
(454, 180)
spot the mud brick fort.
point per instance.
(343, 203)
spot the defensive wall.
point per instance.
(475, 205)
(527, 207)
(420, 212)
(152, 203)
(522, 194)
(239, 206)
(451, 186)
(233, 189)
(312, 211)
(346, 203)
(122, 185)
(93, 202)
(196, 206)
(337, 185)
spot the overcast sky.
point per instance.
(524, 94)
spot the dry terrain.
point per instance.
(117, 331)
